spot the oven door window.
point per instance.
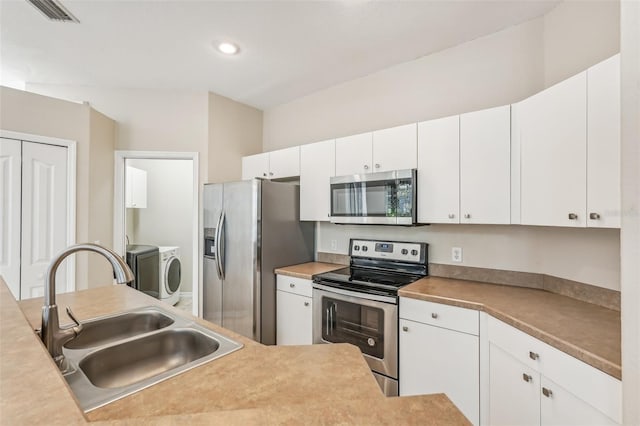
(346, 322)
(375, 198)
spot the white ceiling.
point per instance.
(289, 49)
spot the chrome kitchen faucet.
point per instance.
(53, 336)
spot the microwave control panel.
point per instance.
(390, 250)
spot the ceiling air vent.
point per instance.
(53, 10)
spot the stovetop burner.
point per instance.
(379, 267)
(364, 276)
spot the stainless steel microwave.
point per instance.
(384, 198)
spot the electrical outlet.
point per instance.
(456, 254)
(334, 245)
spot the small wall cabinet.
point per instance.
(294, 314)
(135, 188)
(283, 163)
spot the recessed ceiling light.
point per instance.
(228, 48)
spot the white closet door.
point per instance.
(10, 157)
(44, 215)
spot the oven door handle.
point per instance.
(356, 294)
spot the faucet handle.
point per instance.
(78, 327)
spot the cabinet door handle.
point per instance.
(264, 174)
(467, 216)
(270, 173)
(547, 392)
(527, 378)
(292, 285)
(594, 216)
(306, 303)
(534, 356)
(573, 216)
(451, 215)
(434, 315)
(405, 328)
(377, 166)
(366, 167)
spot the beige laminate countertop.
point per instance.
(318, 384)
(307, 270)
(585, 331)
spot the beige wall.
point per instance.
(578, 34)
(41, 115)
(500, 68)
(494, 70)
(102, 132)
(630, 233)
(235, 130)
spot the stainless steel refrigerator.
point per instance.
(250, 228)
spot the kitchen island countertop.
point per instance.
(318, 384)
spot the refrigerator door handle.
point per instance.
(217, 246)
(220, 245)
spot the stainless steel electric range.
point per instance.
(359, 304)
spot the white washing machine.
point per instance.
(170, 274)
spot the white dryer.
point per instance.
(170, 274)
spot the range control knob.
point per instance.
(365, 248)
(404, 251)
(414, 252)
(356, 248)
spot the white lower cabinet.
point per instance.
(436, 357)
(515, 391)
(294, 314)
(532, 383)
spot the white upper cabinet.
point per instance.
(553, 168)
(283, 163)
(395, 148)
(354, 154)
(255, 166)
(485, 166)
(438, 170)
(135, 188)
(603, 144)
(317, 166)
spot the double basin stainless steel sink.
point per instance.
(117, 355)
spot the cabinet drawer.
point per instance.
(523, 347)
(295, 285)
(591, 385)
(451, 317)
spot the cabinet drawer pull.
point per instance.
(434, 315)
(451, 215)
(594, 216)
(264, 174)
(292, 285)
(306, 303)
(527, 378)
(366, 167)
(377, 166)
(573, 216)
(534, 356)
(405, 328)
(547, 392)
(467, 216)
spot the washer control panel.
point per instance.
(391, 250)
